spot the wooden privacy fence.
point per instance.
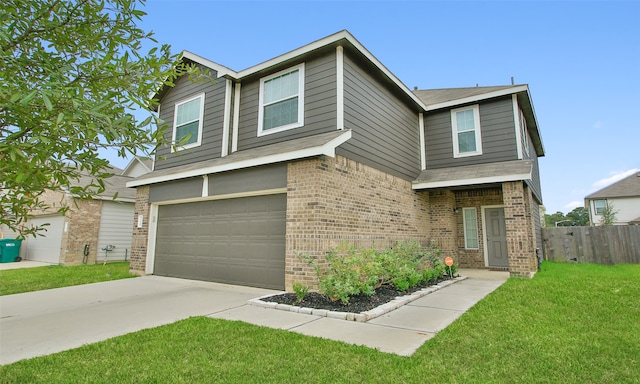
(616, 244)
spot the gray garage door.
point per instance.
(234, 241)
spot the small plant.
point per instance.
(301, 291)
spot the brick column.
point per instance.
(140, 235)
(83, 229)
(443, 221)
(519, 228)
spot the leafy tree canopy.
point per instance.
(578, 217)
(73, 72)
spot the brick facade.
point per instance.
(474, 198)
(331, 200)
(82, 225)
(140, 235)
(521, 241)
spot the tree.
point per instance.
(609, 215)
(552, 219)
(579, 216)
(73, 73)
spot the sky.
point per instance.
(581, 60)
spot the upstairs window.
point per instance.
(187, 123)
(470, 222)
(281, 101)
(466, 131)
(599, 206)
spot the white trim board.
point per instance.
(477, 180)
(327, 149)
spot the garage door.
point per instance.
(45, 248)
(234, 241)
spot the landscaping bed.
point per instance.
(356, 304)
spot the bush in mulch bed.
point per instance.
(355, 278)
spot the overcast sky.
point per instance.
(581, 60)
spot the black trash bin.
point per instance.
(10, 250)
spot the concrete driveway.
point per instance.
(44, 322)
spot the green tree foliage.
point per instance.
(552, 219)
(578, 217)
(73, 73)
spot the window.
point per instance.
(466, 131)
(599, 206)
(524, 133)
(187, 122)
(281, 101)
(470, 222)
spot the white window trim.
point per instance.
(524, 132)
(595, 206)
(464, 223)
(300, 121)
(454, 131)
(198, 142)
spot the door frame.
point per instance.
(484, 231)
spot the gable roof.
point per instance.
(340, 38)
(439, 98)
(435, 99)
(115, 185)
(146, 162)
(627, 187)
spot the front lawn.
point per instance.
(570, 324)
(55, 276)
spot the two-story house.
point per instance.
(622, 196)
(324, 144)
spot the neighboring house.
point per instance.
(324, 144)
(623, 196)
(90, 225)
(138, 166)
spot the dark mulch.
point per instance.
(356, 304)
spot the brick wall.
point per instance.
(335, 199)
(442, 221)
(521, 243)
(475, 198)
(138, 259)
(83, 229)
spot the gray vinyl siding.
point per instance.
(116, 228)
(243, 180)
(534, 183)
(535, 213)
(211, 145)
(384, 128)
(320, 97)
(176, 190)
(250, 179)
(497, 129)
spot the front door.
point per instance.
(496, 237)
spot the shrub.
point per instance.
(301, 291)
(351, 271)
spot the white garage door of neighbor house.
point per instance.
(45, 248)
(235, 241)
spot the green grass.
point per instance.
(55, 276)
(570, 324)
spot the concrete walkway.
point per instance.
(401, 331)
(23, 264)
(44, 322)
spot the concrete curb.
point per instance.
(350, 316)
